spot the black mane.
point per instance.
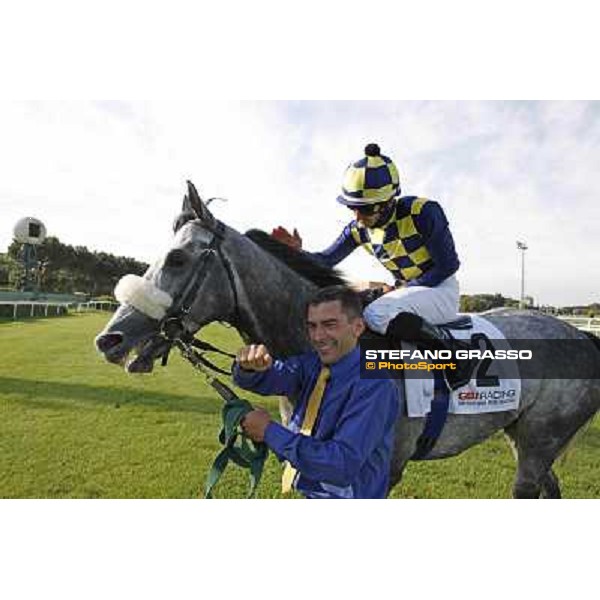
(300, 262)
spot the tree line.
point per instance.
(70, 269)
(480, 302)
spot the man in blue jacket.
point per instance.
(339, 441)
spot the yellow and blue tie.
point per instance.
(312, 410)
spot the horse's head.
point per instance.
(169, 300)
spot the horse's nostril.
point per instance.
(107, 341)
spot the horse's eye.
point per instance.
(176, 258)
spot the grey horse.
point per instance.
(213, 273)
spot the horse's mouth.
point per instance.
(137, 359)
(139, 364)
(146, 353)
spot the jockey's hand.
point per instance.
(283, 235)
(369, 295)
(255, 423)
(255, 357)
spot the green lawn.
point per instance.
(73, 426)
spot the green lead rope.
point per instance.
(237, 446)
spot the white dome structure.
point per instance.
(29, 230)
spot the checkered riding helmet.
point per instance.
(370, 180)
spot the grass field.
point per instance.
(73, 426)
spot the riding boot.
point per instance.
(414, 329)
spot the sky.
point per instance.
(110, 175)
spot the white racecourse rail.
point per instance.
(27, 308)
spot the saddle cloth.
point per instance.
(470, 399)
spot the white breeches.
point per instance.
(437, 305)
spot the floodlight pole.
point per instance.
(522, 246)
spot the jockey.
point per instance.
(411, 238)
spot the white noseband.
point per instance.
(143, 295)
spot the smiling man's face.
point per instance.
(331, 333)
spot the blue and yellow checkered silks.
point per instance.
(397, 244)
(370, 180)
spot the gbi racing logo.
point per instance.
(489, 395)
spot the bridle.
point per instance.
(172, 327)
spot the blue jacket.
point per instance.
(349, 452)
(413, 241)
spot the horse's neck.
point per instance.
(271, 298)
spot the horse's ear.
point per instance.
(195, 204)
(186, 207)
(182, 218)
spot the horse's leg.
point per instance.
(531, 481)
(544, 429)
(530, 470)
(550, 486)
